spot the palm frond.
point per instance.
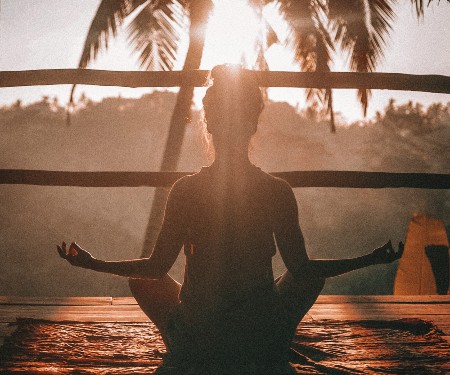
(301, 37)
(323, 60)
(308, 35)
(270, 35)
(361, 28)
(110, 15)
(267, 36)
(255, 4)
(155, 34)
(312, 43)
(310, 39)
(419, 6)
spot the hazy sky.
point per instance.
(48, 34)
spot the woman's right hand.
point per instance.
(76, 255)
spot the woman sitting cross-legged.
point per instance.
(229, 218)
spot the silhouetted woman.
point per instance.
(229, 218)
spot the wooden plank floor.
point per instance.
(125, 309)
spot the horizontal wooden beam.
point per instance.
(337, 179)
(337, 80)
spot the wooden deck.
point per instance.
(124, 309)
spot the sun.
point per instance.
(234, 30)
(232, 34)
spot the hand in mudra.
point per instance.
(387, 254)
(75, 255)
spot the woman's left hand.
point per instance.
(76, 255)
(387, 254)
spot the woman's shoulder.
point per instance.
(188, 184)
(185, 182)
(275, 182)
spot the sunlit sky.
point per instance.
(47, 34)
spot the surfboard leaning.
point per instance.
(415, 274)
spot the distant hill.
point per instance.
(129, 134)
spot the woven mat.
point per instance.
(320, 347)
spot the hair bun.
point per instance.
(225, 72)
(234, 74)
(234, 94)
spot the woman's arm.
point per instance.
(145, 268)
(78, 257)
(292, 248)
(165, 252)
(336, 267)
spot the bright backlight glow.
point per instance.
(232, 34)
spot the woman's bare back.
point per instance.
(229, 232)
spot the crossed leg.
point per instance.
(298, 296)
(156, 298)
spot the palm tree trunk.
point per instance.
(331, 110)
(199, 12)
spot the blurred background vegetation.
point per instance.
(121, 134)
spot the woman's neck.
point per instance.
(232, 160)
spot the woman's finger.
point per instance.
(389, 246)
(73, 249)
(61, 252)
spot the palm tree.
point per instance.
(317, 28)
(155, 34)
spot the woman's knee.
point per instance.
(138, 286)
(311, 283)
(312, 286)
(318, 283)
(300, 291)
(165, 288)
(298, 296)
(134, 283)
(156, 297)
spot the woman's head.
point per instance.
(232, 105)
